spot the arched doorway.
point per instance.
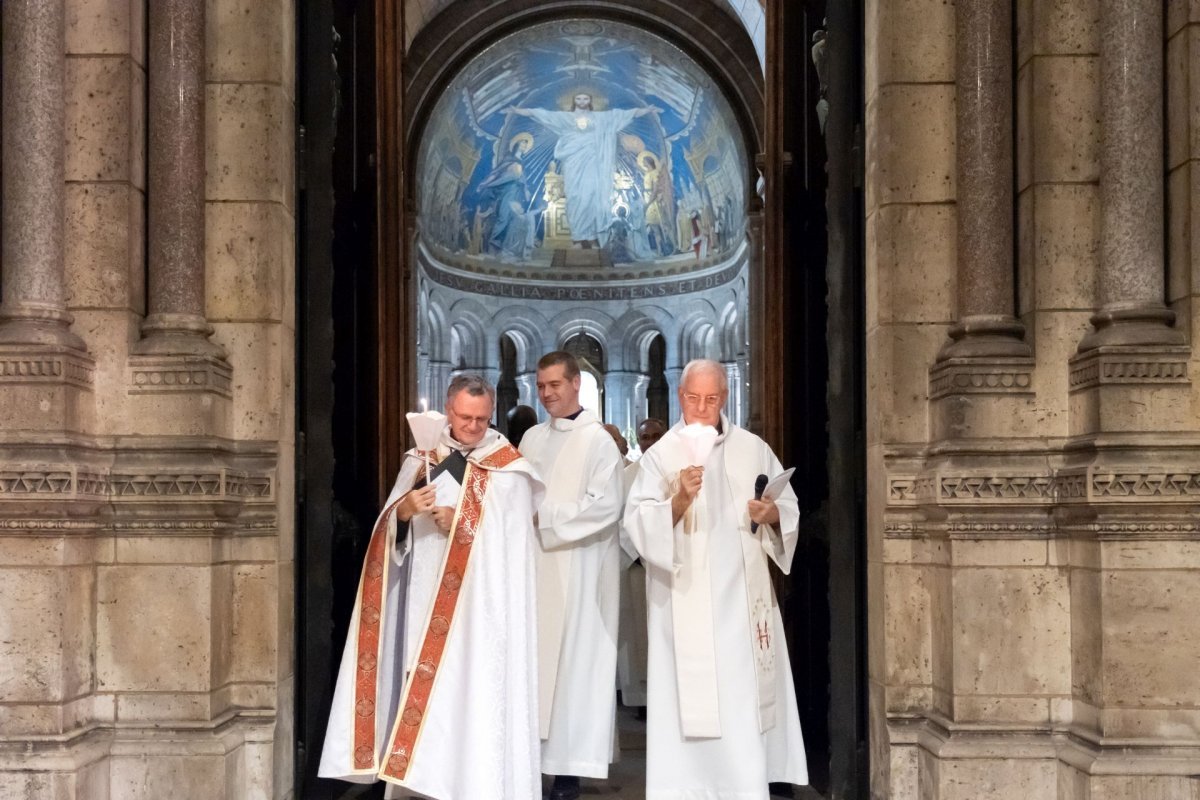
(781, 344)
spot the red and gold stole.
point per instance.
(371, 589)
(417, 690)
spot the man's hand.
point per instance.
(442, 517)
(690, 480)
(764, 511)
(418, 501)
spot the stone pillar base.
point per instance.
(1130, 388)
(924, 759)
(181, 395)
(225, 759)
(45, 388)
(973, 398)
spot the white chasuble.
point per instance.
(468, 695)
(578, 572)
(722, 718)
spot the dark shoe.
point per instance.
(566, 787)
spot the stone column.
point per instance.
(987, 358)
(620, 399)
(176, 323)
(34, 309)
(641, 406)
(986, 326)
(527, 386)
(673, 374)
(1132, 258)
(1132, 366)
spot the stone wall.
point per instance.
(1033, 414)
(146, 370)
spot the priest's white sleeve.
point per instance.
(598, 505)
(398, 531)
(648, 518)
(779, 541)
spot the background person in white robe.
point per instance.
(631, 644)
(631, 625)
(478, 734)
(578, 574)
(587, 150)
(722, 719)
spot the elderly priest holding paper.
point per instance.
(437, 691)
(709, 507)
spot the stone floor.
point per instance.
(626, 778)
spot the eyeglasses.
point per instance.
(701, 400)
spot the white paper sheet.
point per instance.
(775, 486)
(447, 490)
(698, 441)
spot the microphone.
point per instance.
(760, 483)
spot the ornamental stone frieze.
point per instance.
(1069, 485)
(193, 489)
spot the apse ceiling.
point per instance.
(653, 172)
(418, 13)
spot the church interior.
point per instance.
(946, 254)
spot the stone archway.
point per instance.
(441, 48)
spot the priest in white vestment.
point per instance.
(578, 572)
(437, 691)
(722, 719)
(587, 150)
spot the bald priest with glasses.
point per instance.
(722, 720)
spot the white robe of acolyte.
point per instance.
(587, 148)
(479, 736)
(578, 574)
(631, 640)
(728, 737)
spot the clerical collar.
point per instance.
(573, 416)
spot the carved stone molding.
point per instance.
(1165, 530)
(958, 376)
(145, 526)
(179, 374)
(903, 530)
(42, 366)
(64, 481)
(67, 481)
(964, 529)
(1144, 485)
(1111, 365)
(1070, 485)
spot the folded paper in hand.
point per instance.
(448, 490)
(775, 487)
(698, 441)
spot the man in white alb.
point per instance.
(437, 691)
(722, 719)
(578, 573)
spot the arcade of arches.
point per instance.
(946, 252)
